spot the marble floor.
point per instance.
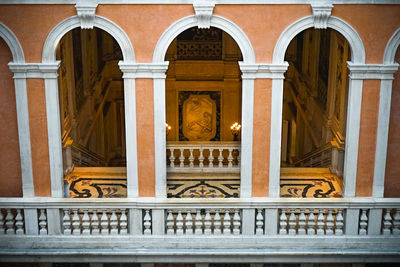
(295, 183)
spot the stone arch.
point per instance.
(391, 48)
(52, 102)
(55, 35)
(356, 44)
(353, 110)
(13, 43)
(247, 99)
(216, 21)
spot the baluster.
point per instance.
(67, 222)
(236, 223)
(211, 158)
(2, 229)
(329, 223)
(339, 223)
(292, 222)
(230, 158)
(19, 223)
(85, 223)
(113, 223)
(95, 223)
(170, 223)
(198, 223)
(311, 223)
(220, 158)
(396, 222)
(283, 222)
(320, 222)
(201, 158)
(76, 230)
(9, 222)
(217, 224)
(238, 157)
(387, 223)
(123, 223)
(42, 222)
(172, 158)
(181, 158)
(259, 222)
(302, 223)
(189, 223)
(104, 223)
(191, 158)
(363, 222)
(227, 223)
(147, 222)
(207, 223)
(179, 223)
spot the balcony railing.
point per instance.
(193, 217)
(211, 157)
(153, 230)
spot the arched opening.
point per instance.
(203, 115)
(10, 163)
(392, 183)
(314, 115)
(91, 97)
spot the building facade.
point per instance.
(202, 131)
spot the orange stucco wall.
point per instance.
(144, 24)
(145, 137)
(38, 132)
(10, 165)
(367, 140)
(32, 24)
(392, 177)
(261, 136)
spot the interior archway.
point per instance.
(314, 114)
(203, 103)
(91, 97)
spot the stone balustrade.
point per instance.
(212, 157)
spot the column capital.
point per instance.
(263, 70)
(35, 70)
(372, 71)
(143, 70)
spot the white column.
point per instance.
(352, 134)
(246, 150)
(382, 134)
(275, 138)
(131, 136)
(23, 131)
(50, 75)
(160, 144)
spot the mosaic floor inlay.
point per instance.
(298, 183)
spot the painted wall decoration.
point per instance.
(199, 115)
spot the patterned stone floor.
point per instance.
(298, 183)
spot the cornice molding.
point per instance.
(263, 70)
(143, 70)
(204, 10)
(189, 2)
(34, 70)
(321, 13)
(86, 10)
(372, 71)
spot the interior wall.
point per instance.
(39, 140)
(392, 174)
(367, 139)
(261, 133)
(10, 164)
